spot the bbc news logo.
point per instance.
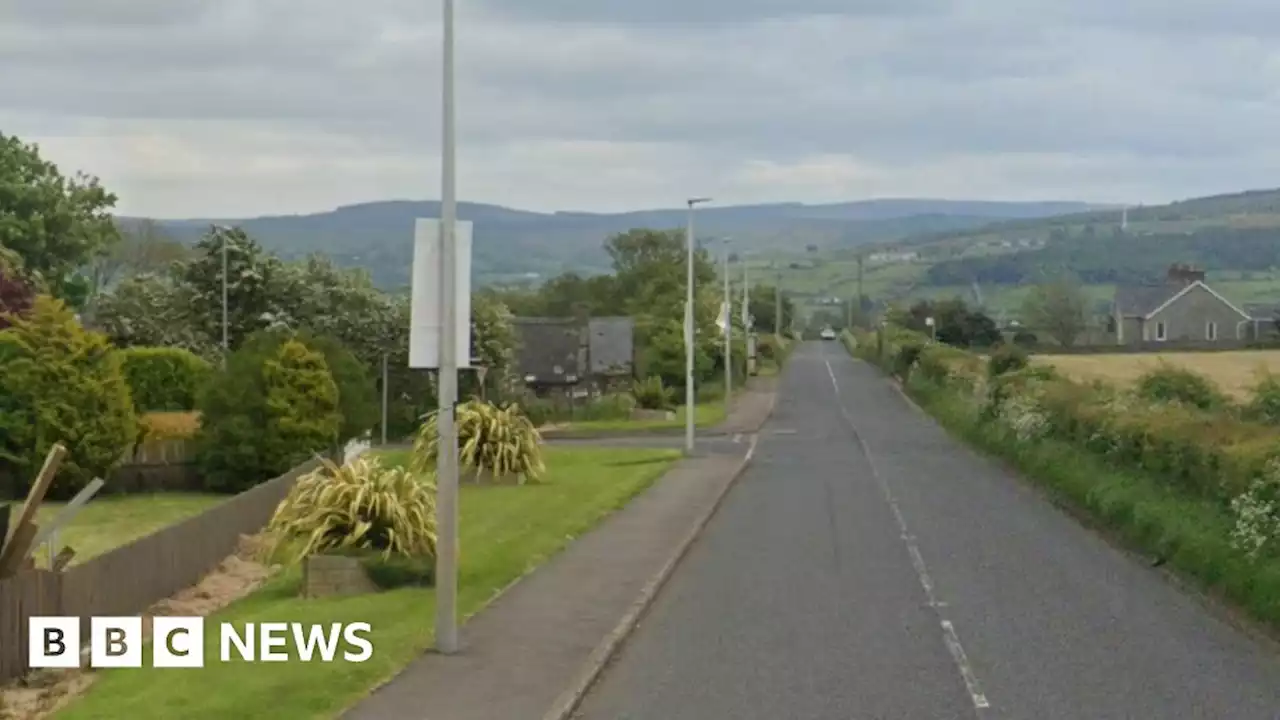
(178, 642)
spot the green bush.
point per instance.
(164, 379)
(237, 447)
(905, 359)
(1007, 358)
(1265, 403)
(1174, 384)
(1025, 338)
(361, 505)
(652, 394)
(614, 406)
(302, 405)
(500, 441)
(358, 402)
(60, 384)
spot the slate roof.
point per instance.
(549, 349)
(1262, 311)
(612, 345)
(1140, 300)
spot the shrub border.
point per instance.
(1133, 525)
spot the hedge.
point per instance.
(164, 379)
(1167, 465)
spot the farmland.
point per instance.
(1236, 372)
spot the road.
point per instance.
(868, 567)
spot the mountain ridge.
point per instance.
(510, 242)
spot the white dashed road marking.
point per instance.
(949, 634)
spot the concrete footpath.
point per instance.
(533, 650)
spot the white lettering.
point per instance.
(271, 635)
(242, 644)
(306, 645)
(352, 636)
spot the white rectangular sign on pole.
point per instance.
(425, 320)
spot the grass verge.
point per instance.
(506, 531)
(705, 415)
(1190, 535)
(110, 522)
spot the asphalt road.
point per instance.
(869, 567)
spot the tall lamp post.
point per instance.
(447, 464)
(688, 327)
(223, 231)
(728, 332)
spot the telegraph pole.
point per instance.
(777, 306)
(860, 295)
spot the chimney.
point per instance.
(1182, 274)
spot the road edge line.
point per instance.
(568, 701)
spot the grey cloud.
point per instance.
(890, 84)
(702, 11)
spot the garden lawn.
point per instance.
(106, 523)
(704, 415)
(506, 531)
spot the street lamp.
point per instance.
(447, 432)
(688, 327)
(223, 231)
(728, 332)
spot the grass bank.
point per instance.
(1190, 534)
(505, 532)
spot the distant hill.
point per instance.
(1234, 237)
(511, 244)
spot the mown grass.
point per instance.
(505, 531)
(106, 523)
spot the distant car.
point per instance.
(828, 334)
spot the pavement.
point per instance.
(541, 641)
(868, 566)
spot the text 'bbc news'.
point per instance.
(179, 642)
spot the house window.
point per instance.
(1160, 331)
(1211, 330)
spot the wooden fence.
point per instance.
(131, 578)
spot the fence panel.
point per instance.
(29, 593)
(131, 578)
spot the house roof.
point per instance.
(549, 348)
(1211, 291)
(1141, 300)
(1146, 300)
(612, 345)
(1262, 311)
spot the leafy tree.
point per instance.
(1058, 308)
(164, 379)
(763, 300)
(235, 447)
(55, 224)
(60, 384)
(16, 292)
(144, 248)
(153, 311)
(301, 406)
(357, 392)
(255, 279)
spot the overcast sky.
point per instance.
(243, 107)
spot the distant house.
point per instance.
(1266, 321)
(1182, 309)
(572, 352)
